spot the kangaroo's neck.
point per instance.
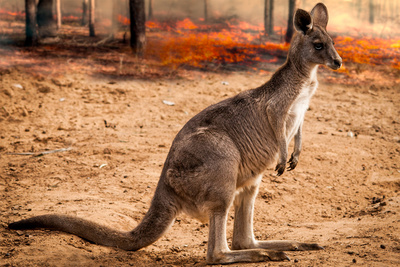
(300, 69)
(293, 75)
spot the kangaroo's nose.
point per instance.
(337, 63)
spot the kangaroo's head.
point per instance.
(312, 42)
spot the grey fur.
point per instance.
(218, 158)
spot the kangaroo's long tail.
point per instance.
(156, 222)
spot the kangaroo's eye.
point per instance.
(318, 46)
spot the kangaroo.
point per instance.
(218, 157)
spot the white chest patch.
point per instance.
(300, 106)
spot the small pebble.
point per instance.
(350, 134)
(18, 86)
(169, 103)
(383, 246)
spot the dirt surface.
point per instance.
(344, 194)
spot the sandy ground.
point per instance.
(344, 194)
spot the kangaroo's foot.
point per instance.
(286, 245)
(248, 255)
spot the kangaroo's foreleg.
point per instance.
(294, 159)
(277, 119)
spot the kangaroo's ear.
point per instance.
(320, 15)
(302, 21)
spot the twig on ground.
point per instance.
(38, 154)
(105, 40)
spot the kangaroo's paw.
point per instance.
(292, 163)
(280, 168)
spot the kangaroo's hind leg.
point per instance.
(218, 251)
(243, 236)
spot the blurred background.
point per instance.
(207, 34)
(372, 17)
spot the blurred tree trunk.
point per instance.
(290, 28)
(266, 17)
(45, 19)
(269, 17)
(205, 10)
(138, 26)
(31, 28)
(114, 17)
(84, 12)
(377, 9)
(386, 9)
(359, 8)
(371, 12)
(393, 7)
(58, 13)
(150, 9)
(91, 18)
